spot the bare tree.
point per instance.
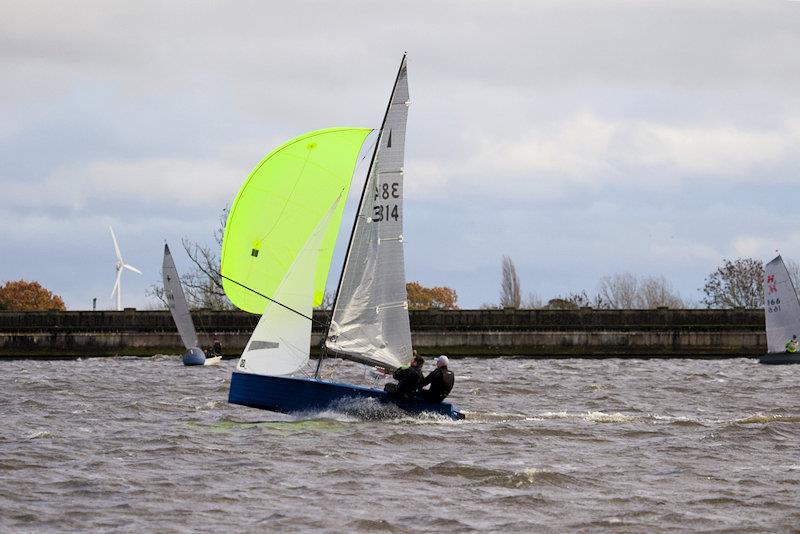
(509, 287)
(620, 291)
(735, 284)
(655, 292)
(627, 291)
(532, 302)
(574, 301)
(203, 283)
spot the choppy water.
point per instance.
(128, 444)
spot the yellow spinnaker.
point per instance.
(278, 207)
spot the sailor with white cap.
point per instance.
(441, 381)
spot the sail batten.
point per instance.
(370, 319)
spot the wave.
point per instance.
(593, 417)
(479, 476)
(762, 418)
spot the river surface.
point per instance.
(145, 444)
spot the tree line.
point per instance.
(736, 283)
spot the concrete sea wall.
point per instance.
(531, 333)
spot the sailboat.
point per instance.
(276, 254)
(176, 300)
(781, 312)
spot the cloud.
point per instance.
(766, 246)
(179, 183)
(634, 136)
(589, 153)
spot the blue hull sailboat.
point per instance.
(782, 315)
(179, 308)
(296, 395)
(276, 253)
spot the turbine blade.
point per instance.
(116, 283)
(132, 268)
(116, 245)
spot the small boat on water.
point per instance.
(782, 315)
(178, 307)
(276, 254)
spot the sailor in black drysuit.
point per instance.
(408, 379)
(441, 380)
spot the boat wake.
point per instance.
(369, 409)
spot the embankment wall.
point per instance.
(532, 333)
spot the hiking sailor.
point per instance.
(791, 345)
(408, 379)
(441, 380)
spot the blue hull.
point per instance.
(287, 394)
(194, 356)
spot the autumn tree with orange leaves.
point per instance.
(21, 295)
(423, 298)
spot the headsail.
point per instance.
(781, 306)
(280, 342)
(278, 208)
(370, 317)
(176, 300)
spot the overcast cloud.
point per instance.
(580, 138)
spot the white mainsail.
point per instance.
(781, 306)
(370, 316)
(176, 300)
(280, 342)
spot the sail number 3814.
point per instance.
(384, 211)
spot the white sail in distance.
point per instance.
(281, 340)
(370, 316)
(176, 300)
(781, 306)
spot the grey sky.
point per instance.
(580, 138)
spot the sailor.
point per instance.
(791, 345)
(217, 347)
(441, 380)
(408, 378)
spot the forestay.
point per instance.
(278, 207)
(280, 342)
(370, 317)
(176, 300)
(781, 306)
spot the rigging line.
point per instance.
(274, 301)
(366, 184)
(328, 312)
(345, 336)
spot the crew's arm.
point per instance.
(426, 380)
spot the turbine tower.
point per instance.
(119, 266)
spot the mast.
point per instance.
(358, 210)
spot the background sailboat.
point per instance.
(277, 260)
(178, 307)
(781, 313)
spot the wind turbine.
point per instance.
(120, 265)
